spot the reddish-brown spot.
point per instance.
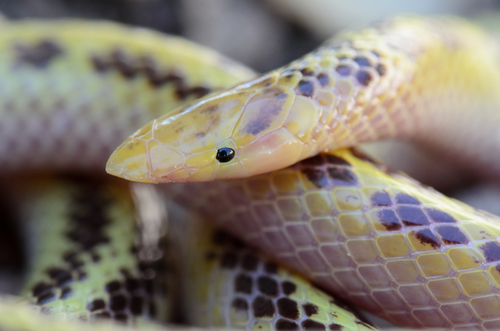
(426, 237)
(452, 235)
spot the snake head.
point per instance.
(238, 133)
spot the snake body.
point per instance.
(87, 258)
(417, 78)
(373, 236)
(74, 93)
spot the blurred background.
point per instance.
(263, 34)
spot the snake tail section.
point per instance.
(229, 284)
(87, 258)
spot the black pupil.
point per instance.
(225, 154)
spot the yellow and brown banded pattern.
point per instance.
(369, 234)
(228, 284)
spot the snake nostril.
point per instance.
(225, 154)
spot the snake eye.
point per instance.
(225, 154)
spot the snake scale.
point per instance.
(87, 258)
(369, 234)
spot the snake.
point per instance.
(369, 234)
(294, 187)
(94, 254)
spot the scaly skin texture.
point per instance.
(374, 236)
(424, 79)
(228, 284)
(85, 86)
(87, 257)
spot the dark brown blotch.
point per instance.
(364, 77)
(240, 304)
(306, 88)
(249, 263)
(323, 79)
(271, 267)
(412, 216)
(342, 177)
(288, 308)
(316, 176)
(38, 55)
(113, 286)
(491, 251)
(310, 309)
(96, 305)
(406, 199)
(103, 315)
(381, 198)
(288, 288)
(117, 302)
(46, 298)
(243, 284)
(307, 72)
(310, 325)
(284, 325)
(263, 307)
(439, 216)
(343, 70)
(121, 317)
(389, 220)
(229, 260)
(267, 286)
(426, 237)
(66, 292)
(335, 327)
(381, 69)
(136, 303)
(131, 284)
(41, 288)
(362, 61)
(336, 160)
(314, 161)
(452, 235)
